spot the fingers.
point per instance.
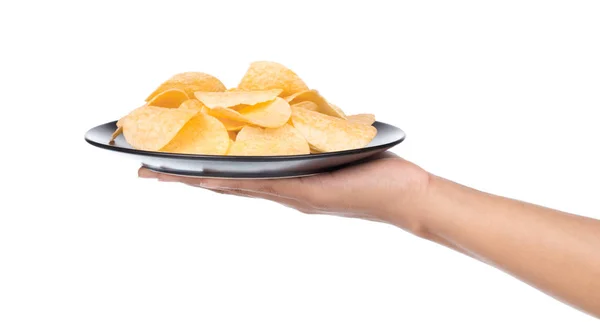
(146, 173)
(290, 188)
(304, 207)
(290, 202)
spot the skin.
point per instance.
(556, 252)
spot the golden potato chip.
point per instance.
(314, 96)
(119, 129)
(202, 134)
(307, 105)
(326, 133)
(151, 128)
(190, 82)
(272, 114)
(195, 105)
(264, 75)
(256, 141)
(367, 119)
(235, 98)
(131, 114)
(170, 98)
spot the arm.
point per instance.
(557, 252)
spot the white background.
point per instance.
(500, 96)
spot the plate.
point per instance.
(245, 166)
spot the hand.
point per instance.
(384, 189)
(551, 250)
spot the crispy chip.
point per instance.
(195, 105)
(264, 75)
(235, 98)
(119, 129)
(256, 141)
(367, 119)
(272, 114)
(130, 115)
(170, 98)
(307, 105)
(151, 128)
(203, 134)
(326, 133)
(190, 82)
(314, 96)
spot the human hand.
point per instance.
(386, 189)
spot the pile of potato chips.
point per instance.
(271, 112)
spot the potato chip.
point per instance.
(314, 96)
(203, 134)
(190, 82)
(326, 133)
(264, 75)
(235, 98)
(272, 114)
(170, 98)
(195, 105)
(256, 141)
(131, 114)
(367, 119)
(307, 105)
(151, 128)
(119, 129)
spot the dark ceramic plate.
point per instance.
(245, 166)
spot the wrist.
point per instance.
(441, 206)
(427, 206)
(409, 201)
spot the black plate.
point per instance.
(245, 166)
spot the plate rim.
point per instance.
(240, 158)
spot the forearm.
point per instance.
(558, 253)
